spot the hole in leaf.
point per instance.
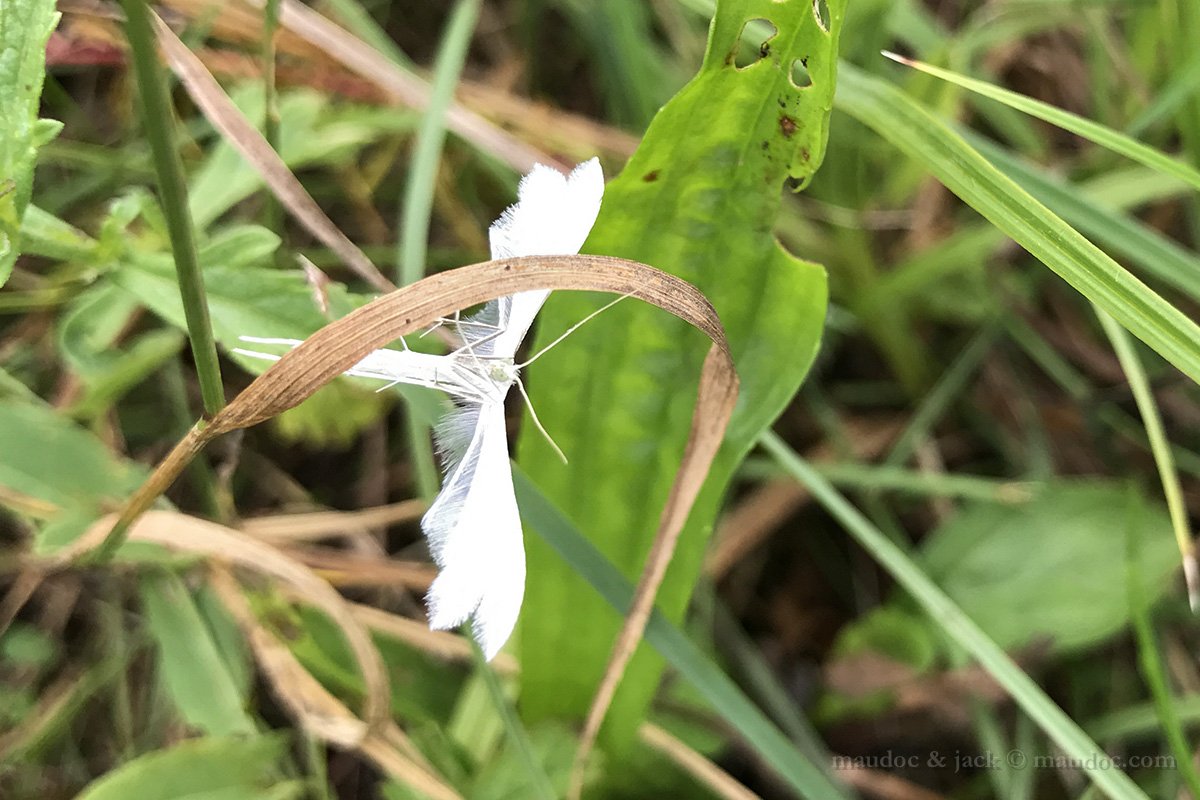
(821, 12)
(754, 42)
(800, 76)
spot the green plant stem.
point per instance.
(539, 786)
(158, 121)
(1151, 662)
(957, 625)
(427, 150)
(1159, 446)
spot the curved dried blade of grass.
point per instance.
(405, 88)
(447, 646)
(181, 533)
(340, 345)
(309, 526)
(220, 111)
(718, 781)
(342, 569)
(320, 713)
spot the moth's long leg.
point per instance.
(537, 422)
(571, 330)
(459, 323)
(470, 346)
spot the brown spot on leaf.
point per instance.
(651, 176)
(787, 126)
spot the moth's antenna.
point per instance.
(571, 330)
(538, 422)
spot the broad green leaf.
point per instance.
(214, 767)
(87, 339)
(25, 27)
(238, 246)
(48, 457)
(698, 199)
(1046, 570)
(602, 577)
(190, 664)
(932, 143)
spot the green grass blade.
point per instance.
(159, 121)
(556, 531)
(1182, 84)
(1160, 446)
(539, 786)
(927, 139)
(940, 608)
(1137, 243)
(1149, 657)
(427, 151)
(1081, 126)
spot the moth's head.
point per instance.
(502, 371)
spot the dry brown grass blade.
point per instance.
(245, 138)
(320, 713)
(714, 407)
(718, 781)
(343, 569)
(218, 543)
(885, 786)
(405, 88)
(309, 526)
(52, 703)
(441, 644)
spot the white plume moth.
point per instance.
(473, 527)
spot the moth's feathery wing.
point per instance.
(406, 366)
(552, 216)
(474, 533)
(458, 378)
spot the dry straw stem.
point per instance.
(341, 569)
(184, 534)
(718, 781)
(245, 138)
(320, 713)
(313, 525)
